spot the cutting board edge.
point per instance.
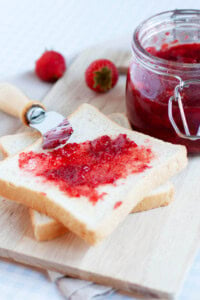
(117, 284)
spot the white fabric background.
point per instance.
(27, 27)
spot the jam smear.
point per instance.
(58, 135)
(148, 93)
(117, 204)
(79, 169)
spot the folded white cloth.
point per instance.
(76, 289)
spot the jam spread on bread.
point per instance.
(79, 169)
(117, 204)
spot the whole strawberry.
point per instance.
(101, 75)
(50, 66)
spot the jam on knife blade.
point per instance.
(58, 135)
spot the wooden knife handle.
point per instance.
(14, 102)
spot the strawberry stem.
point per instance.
(103, 79)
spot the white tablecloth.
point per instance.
(26, 29)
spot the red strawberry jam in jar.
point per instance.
(163, 81)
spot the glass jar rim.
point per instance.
(136, 44)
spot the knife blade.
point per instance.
(54, 128)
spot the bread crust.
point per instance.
(155, 201)
(47, 231)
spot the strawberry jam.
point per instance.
(117, 204)
(183, 53)
(79, 169)
(58, 135)
(148, 91)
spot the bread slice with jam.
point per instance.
(91, 183)
(46, 228)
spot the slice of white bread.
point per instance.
(46, 228)
(92, 222)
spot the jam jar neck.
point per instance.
(168, 29)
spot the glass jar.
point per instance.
(163, 96)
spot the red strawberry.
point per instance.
(50, 66)
(101, 75)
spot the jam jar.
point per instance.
(163, 80)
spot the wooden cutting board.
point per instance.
(149, 252)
